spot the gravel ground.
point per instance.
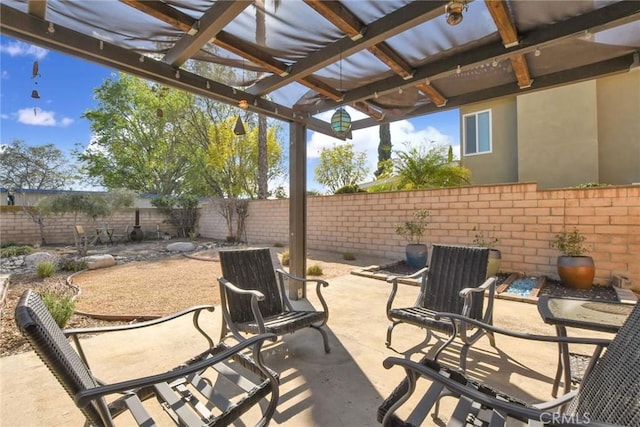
(146, 288)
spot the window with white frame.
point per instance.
(477, 132)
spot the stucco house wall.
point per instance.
(619, 128)
(562, 137)
(501, 164)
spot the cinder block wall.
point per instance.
(17, 227)
(524, 218)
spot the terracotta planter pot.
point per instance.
(576, 271)
(495, 259)
(416, 254)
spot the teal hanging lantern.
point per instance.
(341, 122)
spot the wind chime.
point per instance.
(35, 75)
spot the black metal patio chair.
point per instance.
(254, 301)
(213, 388)
(455, 281)
(609, 394)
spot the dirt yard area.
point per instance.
(149, 288)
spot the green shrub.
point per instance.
(285, 257)
(314, 270)
(71, 264)
(348, 256)
(349, 189)
(15, 250)
(60, 303)
(45, 269)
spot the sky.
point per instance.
(65, 85)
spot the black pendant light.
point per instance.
(238, 129)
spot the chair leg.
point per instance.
(325, 338)
(492, 338)
(223, 330)
(463, 356)
(389, 330)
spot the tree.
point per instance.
(154, 139)
(417, 168)
(340, 166)
(143, 139)
(181, 211)
(384, 151)
(232, 161)
(38, 168)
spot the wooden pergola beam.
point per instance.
(509, 34)
(174, 17)
(340, 16)
(438, 99)
(351, 25)
(37, 8)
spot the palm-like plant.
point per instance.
(418, 168)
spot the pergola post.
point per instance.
(297, 207)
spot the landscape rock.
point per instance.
(36, 258)
(181, 247)
(100, 261)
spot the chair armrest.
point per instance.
(255, 297)
(75, 333)
(457, 387)
(394, 286)
(455, 319)
(233, 288)
(101, 329)
(415, 275)
(546, 338)
(468, 295)
(487, 284)
(84, 397)
(319, 285)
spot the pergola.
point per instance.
(294, 59)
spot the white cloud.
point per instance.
(65, 121)
(39, 117)
(23, 49)
(5, 75)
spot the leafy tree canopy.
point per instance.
(155, 139)
(141, 139)
(41, 167)
(232, 161)
(340, 166)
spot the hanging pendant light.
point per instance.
(341, 122)
(453, 11)
(238, 129)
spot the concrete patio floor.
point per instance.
(343, 388)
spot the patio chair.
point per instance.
(213, 388)
(608, 394)
(455, 281)
(81, 236)
(255, 302)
